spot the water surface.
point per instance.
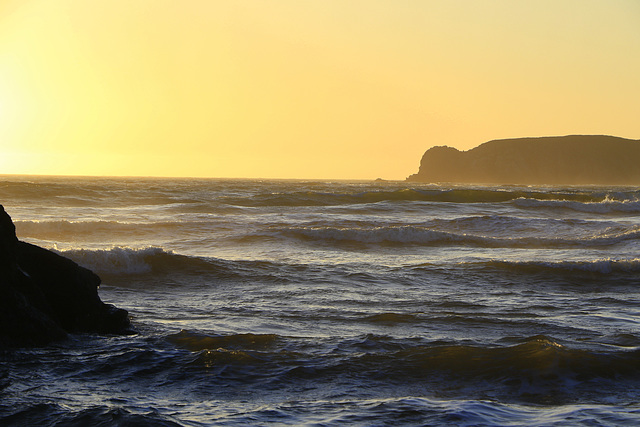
(321, 303)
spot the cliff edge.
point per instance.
(568, 160)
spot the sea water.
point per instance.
(326, 303)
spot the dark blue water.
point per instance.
(324, 303)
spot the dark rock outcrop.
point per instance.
(44, 296)
(568, 160)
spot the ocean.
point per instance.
(321, 303)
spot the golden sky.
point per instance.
(303, 89)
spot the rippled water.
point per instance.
(323, 303)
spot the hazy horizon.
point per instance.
(258, 178)
(354, 90)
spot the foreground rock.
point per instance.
(569, 160)
(45, 296)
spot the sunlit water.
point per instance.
(323, 303)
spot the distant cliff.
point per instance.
(571, 160)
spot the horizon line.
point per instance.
(36, 175)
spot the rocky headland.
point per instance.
(561, 160)
(45, 296)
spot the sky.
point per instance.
(324, 89)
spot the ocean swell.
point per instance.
(533, 366)
(417, 235)
(601, 266)
(605, 206)
(443, 195)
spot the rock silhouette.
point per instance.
(44, 296)
(568, 160)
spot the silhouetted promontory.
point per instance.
(568, 160)
(44, 296)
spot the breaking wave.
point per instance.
(152, 261)
(119, 260)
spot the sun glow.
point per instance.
(13, 118)
(303, 89)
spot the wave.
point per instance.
(65, 228)
(392, 318)
(152, 261)
(201, 195)
(604, 206)
(40, 189)
(504, 222)
(416, 235)
(61, 414)
(601, 266)
(122, 260)
(505, 225)
(300, 410)
(313, 198)
(80, 191)
(478, 231)
(155, 260)
(536, 366)
(422, 411)
(196, 341)
(537, 361)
